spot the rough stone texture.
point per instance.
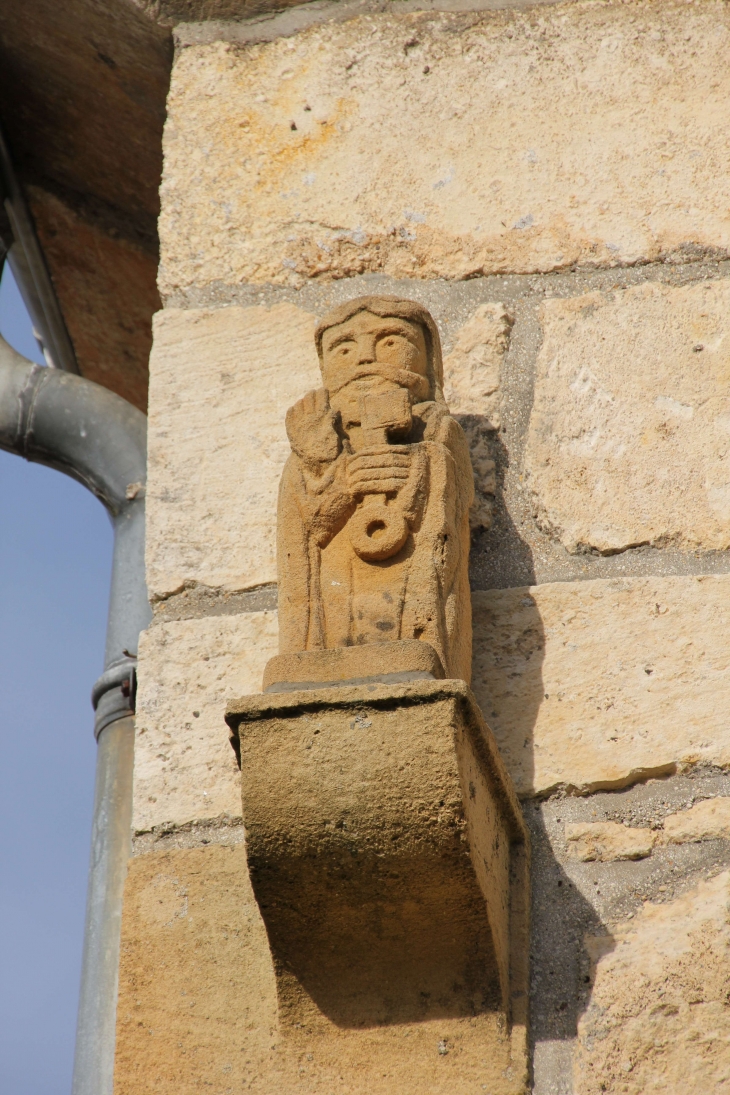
(196, 601)
(706, 820)
(560, 672)
(386, 810)
(220, 385)
(473, 369)
(197, 1000)
(605, 841)
(597, 684)
(658, 1019)
(473, 391)
(283, 21)
(485, 472)
(176, 11)
(373, 513)
(629, 433)
(221, 382)
(405, 659)
(514, 551)
(574, 902)
(184, 767)
(447, 145)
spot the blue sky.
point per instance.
(55, 560)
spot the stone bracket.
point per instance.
(390, 860)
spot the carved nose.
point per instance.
(366, 352)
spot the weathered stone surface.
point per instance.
(387, 852)
(220, 383)
(585, 646)
(707, 820)
(473, 369)
(396, 661)
(373, 513)
(658, 1019)
(484, 468)
(184, 767)
(197, 998)
(197, 1004)
(446, 145)
(605, 841)
(472, 387)
(171, 12)
(594, 684)
(629, 432)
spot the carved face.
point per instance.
(364, 353)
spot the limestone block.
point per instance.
(595, 684)
(707, 820)
(472, 387)
(450, 144)
(221, 381)
(606, 841)
(184, 767)
(629, 432)
(473, 369)
(197, 1000)
(658, 1019)
(631, 689)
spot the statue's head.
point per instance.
(373, 344)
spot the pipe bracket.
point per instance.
(114, 694)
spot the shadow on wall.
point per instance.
(500, 558)
(507, 679)
(378, 940)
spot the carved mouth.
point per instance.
(402, 378)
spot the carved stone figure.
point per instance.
(373, 521)
(385, 844)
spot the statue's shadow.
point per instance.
(514, 649)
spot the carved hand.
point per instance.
(310, 426)
(383, 469)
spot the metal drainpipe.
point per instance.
(78, 427)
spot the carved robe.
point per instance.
(330, 597)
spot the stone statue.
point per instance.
(385, 844)
(373, 520)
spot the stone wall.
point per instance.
(551, 183)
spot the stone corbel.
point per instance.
(389, 859)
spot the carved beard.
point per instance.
(419, 386)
